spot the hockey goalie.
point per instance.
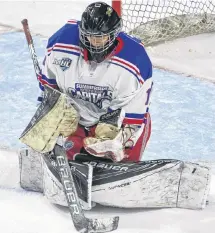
(96, 84)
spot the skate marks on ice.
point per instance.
(19, 87)
(30, 212)
(182, 118)
(7, 28)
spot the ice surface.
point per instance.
(182, 116)
(18, 87)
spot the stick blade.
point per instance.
(103, 225)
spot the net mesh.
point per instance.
(156, 21)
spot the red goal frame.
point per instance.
(116, 4)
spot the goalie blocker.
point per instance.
(155, 183)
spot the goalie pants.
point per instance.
(74, 143)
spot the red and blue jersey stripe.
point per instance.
(128, 66)
(65, 48)
(43, 80)
(134, 119)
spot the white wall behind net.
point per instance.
(45, 17)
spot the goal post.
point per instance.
(156, 21)
(117, 6)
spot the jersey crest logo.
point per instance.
(98, 95)
(64, 63)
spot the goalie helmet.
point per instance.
(98, 29)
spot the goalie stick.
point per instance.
(81, 223)
(31, 47)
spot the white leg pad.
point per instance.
(31, 171)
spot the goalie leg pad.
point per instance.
(160, 184)
(155, 183)
(31, 171)
(194, 186)
(38, 173)
(53, 189)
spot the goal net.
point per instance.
(156, 21)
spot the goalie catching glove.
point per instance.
(110, 138)
(55, 116)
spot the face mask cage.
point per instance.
(95, 43)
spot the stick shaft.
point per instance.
(32, 50)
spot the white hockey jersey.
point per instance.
(121, 81)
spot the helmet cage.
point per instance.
(100, 36)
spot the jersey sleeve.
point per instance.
(133, 97)
(47, 77)
(134, 101)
